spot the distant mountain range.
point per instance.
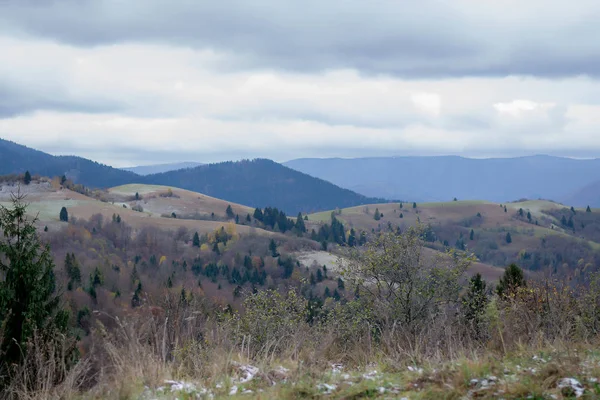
(160, 168)
(574, 182)
(256, 183)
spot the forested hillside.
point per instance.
(261, 183)
(16, 159)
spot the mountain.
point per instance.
(260, 183)
(443, 178)
(15, 158)
(159, 168)
(587, 195)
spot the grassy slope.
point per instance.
(47, 204)
(524, 234)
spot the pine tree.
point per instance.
(340, 284)
(28, 302)
(401, 215)
(512, 279)
(352, 238)
(229, 212)
(401, 206)
(520, 212)
(528, 216)
(273, 248)
(300, 223)
(27, 178)
(472, 235)
(414, 205)
(474, 303)
(196, 240)
(248, 218)
(508, 238)
(505, 210)
(377, 215)
(64, 215)
(588, 209)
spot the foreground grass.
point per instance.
(526, 375)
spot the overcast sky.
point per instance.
(134, 82)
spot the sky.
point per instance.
(146, 82)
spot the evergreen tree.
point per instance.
(229, 212)
(340, 284)
(505, 210)
(401, 205)
(377, 215)
(273, 248)
(196, 240)
(512, 279)
(563, 220)
(137, 196)
(258, 215)
(474, 303)
(588, 209)
(63, 179)
(248, 218)
(520, 212)
(27, 178)
(472, 235)
(300, 223)
(573, 210)
(327, 292)
(414, 205)
(352, 238)
(28, 302)
(336, 295)
(136, 300)
(508, 238)
(319, 276)
(216, 248)
(64, 215)
(401, 215)
(528, 216)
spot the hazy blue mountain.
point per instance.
(443, 178)
(261, 183)
(159, 168)
(15, 158)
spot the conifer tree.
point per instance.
(64, 214)
(377, 215)
(27, 178)
(300, 223)
(414, 205)
(472, 235)
(229, 212)
(512, 279)
(196, 240)
(588, 209)
(474, 303)
(28, 302)
(508, 238)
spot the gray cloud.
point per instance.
(17, 100)
(433, 39)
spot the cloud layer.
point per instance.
(149, 82)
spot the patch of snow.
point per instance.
(247, 391)
(382, 390)
(326, 388)
(181, 386)
(370, 376)
(571, 383)
(337, 368)
(233, 391)
(415, 369)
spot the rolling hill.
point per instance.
(532, 234)
(443, 178)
